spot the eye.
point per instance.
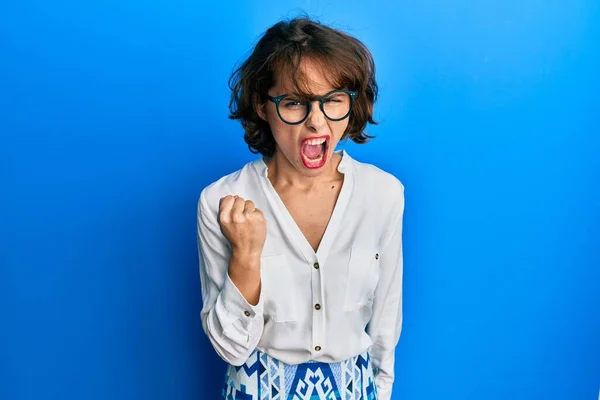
(336, 98)
(292, 103)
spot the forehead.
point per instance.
(311, 78)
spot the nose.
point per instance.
(316, 119)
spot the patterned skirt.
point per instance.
(263, 377)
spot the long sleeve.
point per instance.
(386, 322)
(233, 326)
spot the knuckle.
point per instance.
(224, 200)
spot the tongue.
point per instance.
(313, 150)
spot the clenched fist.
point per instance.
(243, 225)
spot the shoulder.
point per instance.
(380, 184)
(232, 183)
(380, 197)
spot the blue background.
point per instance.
(113, 117)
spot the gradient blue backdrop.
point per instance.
(113, 117)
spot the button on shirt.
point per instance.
(329, 305)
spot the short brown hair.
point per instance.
(347, 61)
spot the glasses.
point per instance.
(336, 106)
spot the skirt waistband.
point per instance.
(263, 377)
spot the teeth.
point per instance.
(315, 141)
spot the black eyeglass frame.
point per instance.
(352, 93)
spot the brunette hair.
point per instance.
(345, 61)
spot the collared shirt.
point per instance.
(328, 305)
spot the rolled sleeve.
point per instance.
(237, 305)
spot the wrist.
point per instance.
(245, 260)
(244, 272)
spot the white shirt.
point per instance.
(327, 306)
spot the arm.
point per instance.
(386, 322)
(232, 324)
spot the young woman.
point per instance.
(301, 250)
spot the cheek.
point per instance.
(338, 129)
(274, 122)
(285, 135)
(278, 127)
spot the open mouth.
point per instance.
(314, 151)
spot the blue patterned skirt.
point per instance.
(263, 377)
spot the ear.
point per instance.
(261, 108)
(261, 111)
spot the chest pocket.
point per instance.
(363, 276)
(279, 289)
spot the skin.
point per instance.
(246, 229)
(286, 164)
(309, 193)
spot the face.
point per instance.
(307, 147)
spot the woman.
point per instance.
(300, 250)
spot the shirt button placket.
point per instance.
(318, 314)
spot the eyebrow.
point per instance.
(306, 97)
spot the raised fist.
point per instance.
(243, 225)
